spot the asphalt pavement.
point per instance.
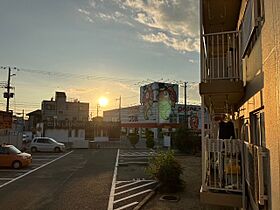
(80, 180)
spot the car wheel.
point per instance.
(33, 149)
(57, 149)
(16, 165)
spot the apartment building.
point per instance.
(59, 109)
(240, 79)
(64, 120)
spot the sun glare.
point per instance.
(103, 101)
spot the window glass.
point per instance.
(2, 150)
(40, 140)
(14, 150)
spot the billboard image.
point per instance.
(159, 97)
(147, 97)
(168, 96)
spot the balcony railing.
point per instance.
(223, 165)
(256, 173)
(231, 164)
(220, 56)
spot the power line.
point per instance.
(78, 76)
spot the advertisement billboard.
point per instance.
(159, 99)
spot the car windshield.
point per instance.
(14, 150)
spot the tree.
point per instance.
(150, 143)
(133, 139)
(186, 140)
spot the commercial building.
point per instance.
(133, 117)
(159, 111)
(240, 43)
(64, 120)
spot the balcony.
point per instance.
(257, 178)
(221, 75)
(229, 167)
(222, 178)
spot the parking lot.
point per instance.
(39, 160)
(131, 185)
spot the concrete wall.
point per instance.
(271, 62)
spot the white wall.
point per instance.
(61, 135)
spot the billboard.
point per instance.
(194, 115)
(159, 99)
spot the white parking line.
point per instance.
(127, 185)
(111, 198)
(134, 195)
(29, 172)
(128, 205)
(134, 188)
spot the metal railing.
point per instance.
(220, 56)
(222, 166)
(231, 164)
(256, 173)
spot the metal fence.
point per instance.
(10, 137)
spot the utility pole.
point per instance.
(185, 102)
(8, 94)
(8, 89)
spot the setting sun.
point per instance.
(103, 101)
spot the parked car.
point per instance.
(45, 144)
(10, 156)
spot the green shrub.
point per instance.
(187, 141)
(133, 139)
(167, 170)
(150, 143)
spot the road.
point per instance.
(80, 180)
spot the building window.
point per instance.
(76, 132)
(257, 128)
(251, 25)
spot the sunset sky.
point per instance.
(97, 48)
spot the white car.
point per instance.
(45, 144)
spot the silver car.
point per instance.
(45, 144)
